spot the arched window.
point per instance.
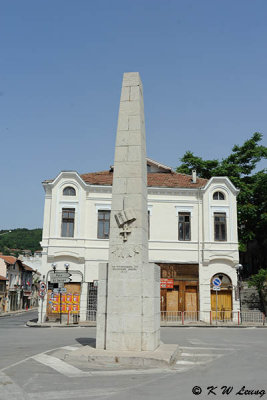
(218, 196)
(69, 191)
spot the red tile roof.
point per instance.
(171, 179)
(9, 259)
(2, 278)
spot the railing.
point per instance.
(254, 317)
(91, 315)
(225, 317)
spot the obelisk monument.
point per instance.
(128, 316)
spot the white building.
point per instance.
(192, 236)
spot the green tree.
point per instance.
(20, 239)
(259, 281)
(239, 166)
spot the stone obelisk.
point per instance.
(128, 316)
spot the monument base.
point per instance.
(128, 318)
(163, 357)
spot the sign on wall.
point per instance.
(69, 303)
(166, 283)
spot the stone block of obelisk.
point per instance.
(128, 316)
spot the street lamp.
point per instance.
(54, 265)
(238, 268)
(67, 267)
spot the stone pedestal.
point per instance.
(128, 312)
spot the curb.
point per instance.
(32, 324)
(214, 326)
(9, 314)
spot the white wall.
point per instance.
(84, 252)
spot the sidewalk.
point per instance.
(9, 313)
(34, 324)
(86, 324)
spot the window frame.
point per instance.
(106, 212)
(220, 237)
(184, 224)
(68, 220)
(69, 194)
(218, 193)
(148, 224)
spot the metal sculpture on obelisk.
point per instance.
(128, 316)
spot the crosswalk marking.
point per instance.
(202, 355)
(60, 366)
(208, 348)
(195, 356)
(71, 348)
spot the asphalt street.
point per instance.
(214, 362)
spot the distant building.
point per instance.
(19, 283)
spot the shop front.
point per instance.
(179, 288)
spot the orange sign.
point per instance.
(69, 298)
(55, 308)
(166, 283)
(76, 298)
(75, 308)
(69, 302)
(63, 307)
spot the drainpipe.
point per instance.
(198, 244)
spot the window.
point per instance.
(148, 225)
(220, 227)
(69, 191)
(103, 224)
(218, 196)
(184, 231)
(67, 227)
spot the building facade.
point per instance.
(18, 284)
(192, 236)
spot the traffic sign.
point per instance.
(217, 282)
(60, 290)
(56, 280)
(41, 293)
(60, 274)
(216, 288)
(56, 277)
(42, 286)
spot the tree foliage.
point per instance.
(20, 239)
(239, 167)
(259, 281)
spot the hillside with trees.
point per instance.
(13, 241)
(240, 168)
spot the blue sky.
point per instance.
(203, 65)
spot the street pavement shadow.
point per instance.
(86, 341)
